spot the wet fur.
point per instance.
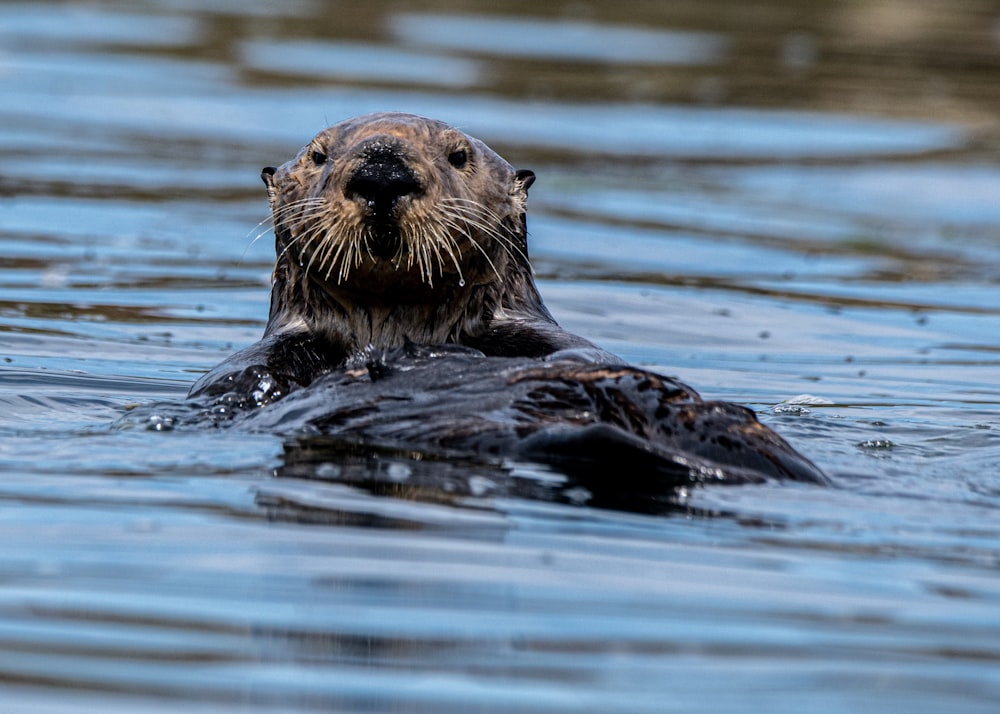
(459, 272)
(402, 275)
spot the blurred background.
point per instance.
(791, 205)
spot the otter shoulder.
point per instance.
(539, 339)
(270, 368)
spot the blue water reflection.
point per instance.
(562, 39)
(794, 210)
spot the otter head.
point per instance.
(394, 204)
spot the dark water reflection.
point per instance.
(788, 205)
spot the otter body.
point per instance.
(402, 280)
(609, 426)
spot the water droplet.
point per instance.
(794, 409)
(876, 444)
(160, 423)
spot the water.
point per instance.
(791, 206)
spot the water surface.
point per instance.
(789, 206)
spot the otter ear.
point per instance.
(523, 180)
(267, 176)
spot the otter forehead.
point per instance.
(398, 124)
(429, 136)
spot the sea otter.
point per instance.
(390, 229)
(404, 315)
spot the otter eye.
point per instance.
(458, 158)
(318, 158)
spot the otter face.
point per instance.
(385, 201)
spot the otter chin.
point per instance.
(391, 229)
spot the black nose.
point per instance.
(382, 179)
